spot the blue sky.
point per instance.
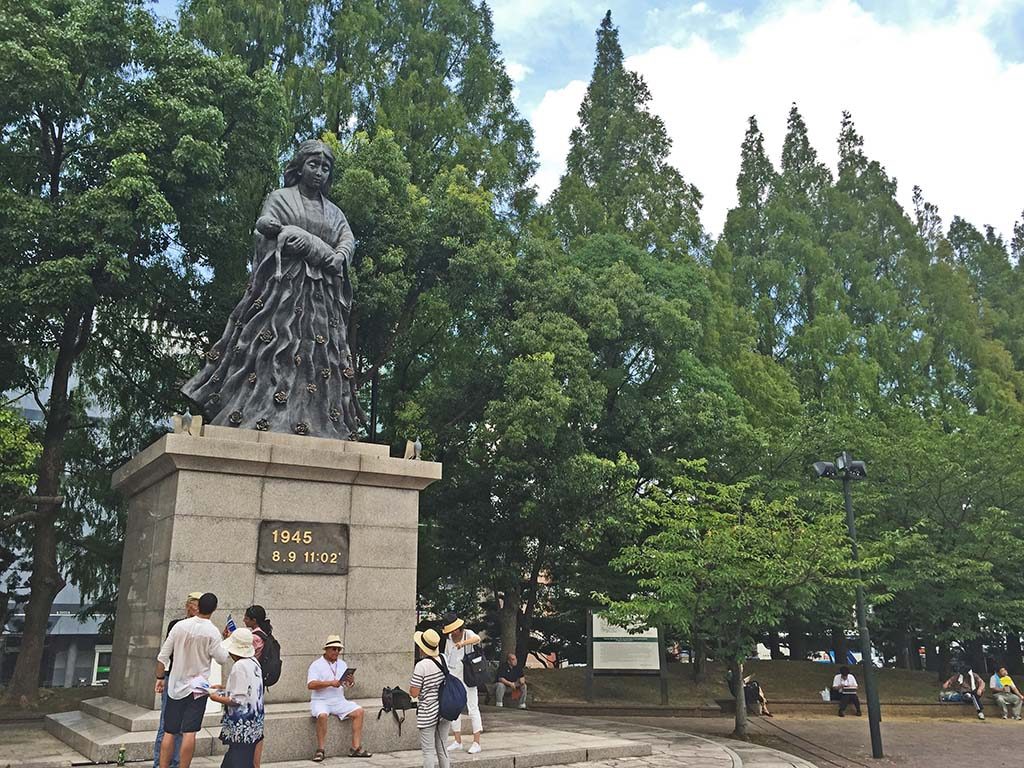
(936, 87)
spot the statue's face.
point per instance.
(315, 171)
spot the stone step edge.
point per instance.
(620, 748)
(653, 710)
(135, 719)
(71, 728)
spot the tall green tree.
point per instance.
(590, 368)
(731, 562)
(618, 178)
(19, 452)
(118, 137)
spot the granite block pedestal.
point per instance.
(195, 507)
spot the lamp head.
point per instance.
(857, 470)
(824, 469)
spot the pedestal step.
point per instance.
(103, 725)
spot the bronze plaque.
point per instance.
(289, 546)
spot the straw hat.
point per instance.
(239, 643)
(334, 641)
(452, 622)
(194, 595)
(427, 641)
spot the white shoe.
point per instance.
(474, 748)
(498, 704)
(522, 706)
(981, 715)
(1004, 717)
(455, 746)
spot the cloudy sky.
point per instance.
(936, 87)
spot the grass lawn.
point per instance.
(51, 700)
(781, 680)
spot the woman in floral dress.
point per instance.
(242, 697)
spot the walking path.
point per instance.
(829, 742)
(512, 739)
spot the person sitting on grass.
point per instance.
(969, 686)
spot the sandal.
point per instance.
(358, 752)
(318, 756)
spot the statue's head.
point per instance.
(309, 149)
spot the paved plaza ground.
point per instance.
(512, 739)
(515, 739)
(845, 743)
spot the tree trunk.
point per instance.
(774, 645)
(740, 730)
(1013, 653)
(903, 649)
(698, 659)
(46, 581)
(943, 662)
(526, 627)
(976, 657)
(839, 644)
(797, 643)
(508, 621)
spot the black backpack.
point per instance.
(395, 700)
(270, 659)
(474, 667)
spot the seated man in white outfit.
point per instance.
(325, 680)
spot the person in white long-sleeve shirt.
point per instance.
(193, 642)
(845, 686)
(460, 638)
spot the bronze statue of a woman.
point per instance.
(283, 363)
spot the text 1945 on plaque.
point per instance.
(289, 546)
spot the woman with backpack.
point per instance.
(461, 644)
(263, 640)
(427, 678)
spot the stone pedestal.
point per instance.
(194, 510)
(195, 505)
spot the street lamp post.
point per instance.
(848, 470)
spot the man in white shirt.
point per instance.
(845, 686)
(193, 642)
(325, 680)
(459, 639)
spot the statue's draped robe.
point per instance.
(283, 363)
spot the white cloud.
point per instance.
(935, 103)
(516, 71)
(553, 121)
(514, 17)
